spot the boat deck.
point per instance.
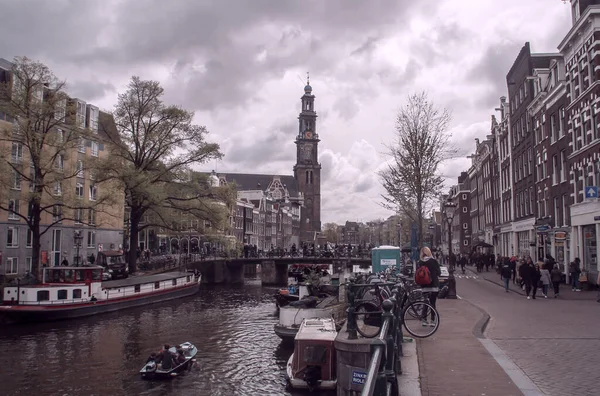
(138, 280)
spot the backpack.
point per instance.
(422, 276)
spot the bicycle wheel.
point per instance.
(368, 320)
(420, 319)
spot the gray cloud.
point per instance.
(274, 145)
(89, 90)
(492, 69)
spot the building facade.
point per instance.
(100, 226)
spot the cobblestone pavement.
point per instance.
(454, 362)
(554, 341)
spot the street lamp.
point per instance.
(449, 208)
(77, 238)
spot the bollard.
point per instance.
(451, 284)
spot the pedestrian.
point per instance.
(527, 273)
(556, 277)
(546, 280)
(506, 275)
(513, 268)
(432, 289)
(574, 271)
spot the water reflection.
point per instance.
(232, 326)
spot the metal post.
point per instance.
(449, 212)
(351, 321)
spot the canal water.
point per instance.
(239, 354)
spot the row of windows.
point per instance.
(12, 238)
(79, 214)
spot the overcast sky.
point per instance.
(241, 66)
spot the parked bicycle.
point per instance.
(418, 316)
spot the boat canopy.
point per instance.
(67, 274)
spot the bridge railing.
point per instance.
(384, 366)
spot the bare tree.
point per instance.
(37, 144)
(152, 156)
(412, 179)
(331, 232)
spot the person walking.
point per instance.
(546, 280)
(513, 268)
(527, 274)
(535, 280)
(556, 277)
(433, 288)
(506, 273)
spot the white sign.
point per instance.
(390, 262)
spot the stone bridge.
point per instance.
(273, 271)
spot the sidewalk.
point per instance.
(454, 361)
(565, 290)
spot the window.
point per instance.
(91, 239)
(28, 238)
(565, 211)
(80, 173)
(94, 149)
(464, 209)
(79, 190)
(13, 209)
(174, 282)
(76, 293)
(43, 295)
(16, 154)
(56, 213)
(60, 162)
(81, 145)
(15, 180)
(60, 136)
(555, 169)
(465, 226)
(57, 188)
(557, 215)
(93, 192)
(62, 294)
(92, 118)
(466, 242)
(28, 264)
(136, 288)
(157, 285)
(12, 237)
(60, 110)
(464, 197)
(80, 114)
(78, 214)
(12, 265)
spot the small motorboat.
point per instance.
(312, 365)
(153, 370)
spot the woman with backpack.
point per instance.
(427, 275)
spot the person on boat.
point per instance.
(165, 358)
(65, 262)
(151, 358)
(180, 357)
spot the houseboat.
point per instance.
(312, 365)
(72, 292)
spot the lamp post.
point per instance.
(77, 238)
(449, 208)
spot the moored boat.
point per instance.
(154, 370)
(72, 292)
(312, 365)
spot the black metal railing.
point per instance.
(384, 366)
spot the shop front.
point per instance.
(560, 248)
(585, 236)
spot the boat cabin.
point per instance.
(59, 285)
(314, 351)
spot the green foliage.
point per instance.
(153, 153)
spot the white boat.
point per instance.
(312, 365)
(71, 292)
(291, 316)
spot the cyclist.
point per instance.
(432, 288)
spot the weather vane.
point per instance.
(307, 78)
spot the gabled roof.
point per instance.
(248, 181)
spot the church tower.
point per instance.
(307, 170)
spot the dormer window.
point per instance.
(80, 114)
(92, 118)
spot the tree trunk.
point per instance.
(135, 218)
(35, 242)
